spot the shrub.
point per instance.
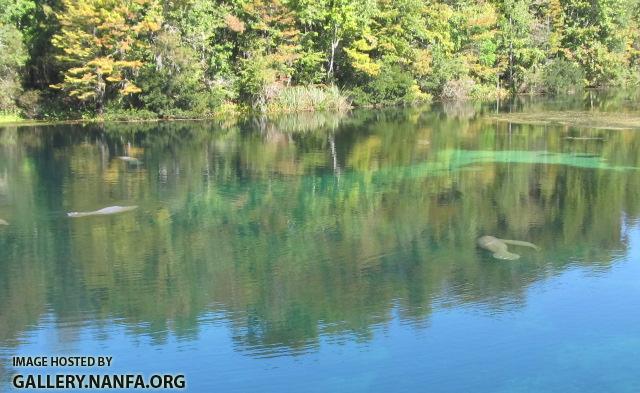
(121, 114)
(457, 89)
(50, 106)
(562, 76)
(443, 69)
(9, 91)
(393, 86)
(532, 81)
(175, 83)
(483, 92)
(30, 103)
(633, 79)
(256, 82)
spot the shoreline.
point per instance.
(15, 120)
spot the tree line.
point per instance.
(196, 58)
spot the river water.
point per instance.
(318, 253)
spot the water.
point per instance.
(329, 253)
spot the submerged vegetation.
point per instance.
(583, 119)
(120, 59)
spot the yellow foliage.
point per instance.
(422, 63)
(362, 62)
(360, 59)
(130, 88)
(101, 42)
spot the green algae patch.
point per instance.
(584, 119)
(464, 158)
(457, 160)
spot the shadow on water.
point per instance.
(303, 227)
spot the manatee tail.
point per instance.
(521, 243)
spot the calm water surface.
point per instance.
(323, 253)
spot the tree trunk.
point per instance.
(100, 93)
(511, 55)
(334, 45)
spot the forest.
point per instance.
(147, 59)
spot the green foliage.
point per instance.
(119, 114)
(15, 11)
(444, 68)
(563, 77)
(392, 86)
(532, 81)
(174, 83)
(30, 104)
(256, 82)
(198, 57)
(12, 58)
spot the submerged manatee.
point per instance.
(3, 222)
(132, 160)
(499, 247)
(103, 212)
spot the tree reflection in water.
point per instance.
(301, 227)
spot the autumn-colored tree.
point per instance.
(273, 34)
(102, 43)
(194, 57)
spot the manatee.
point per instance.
(584, 138)
(3, 222)
(129, 159)
(499, 247)
(103, 212)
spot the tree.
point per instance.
(12, 57)
(518, 50)
(597, 37)
(102, 43)
(174, 80)
(13, 52)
